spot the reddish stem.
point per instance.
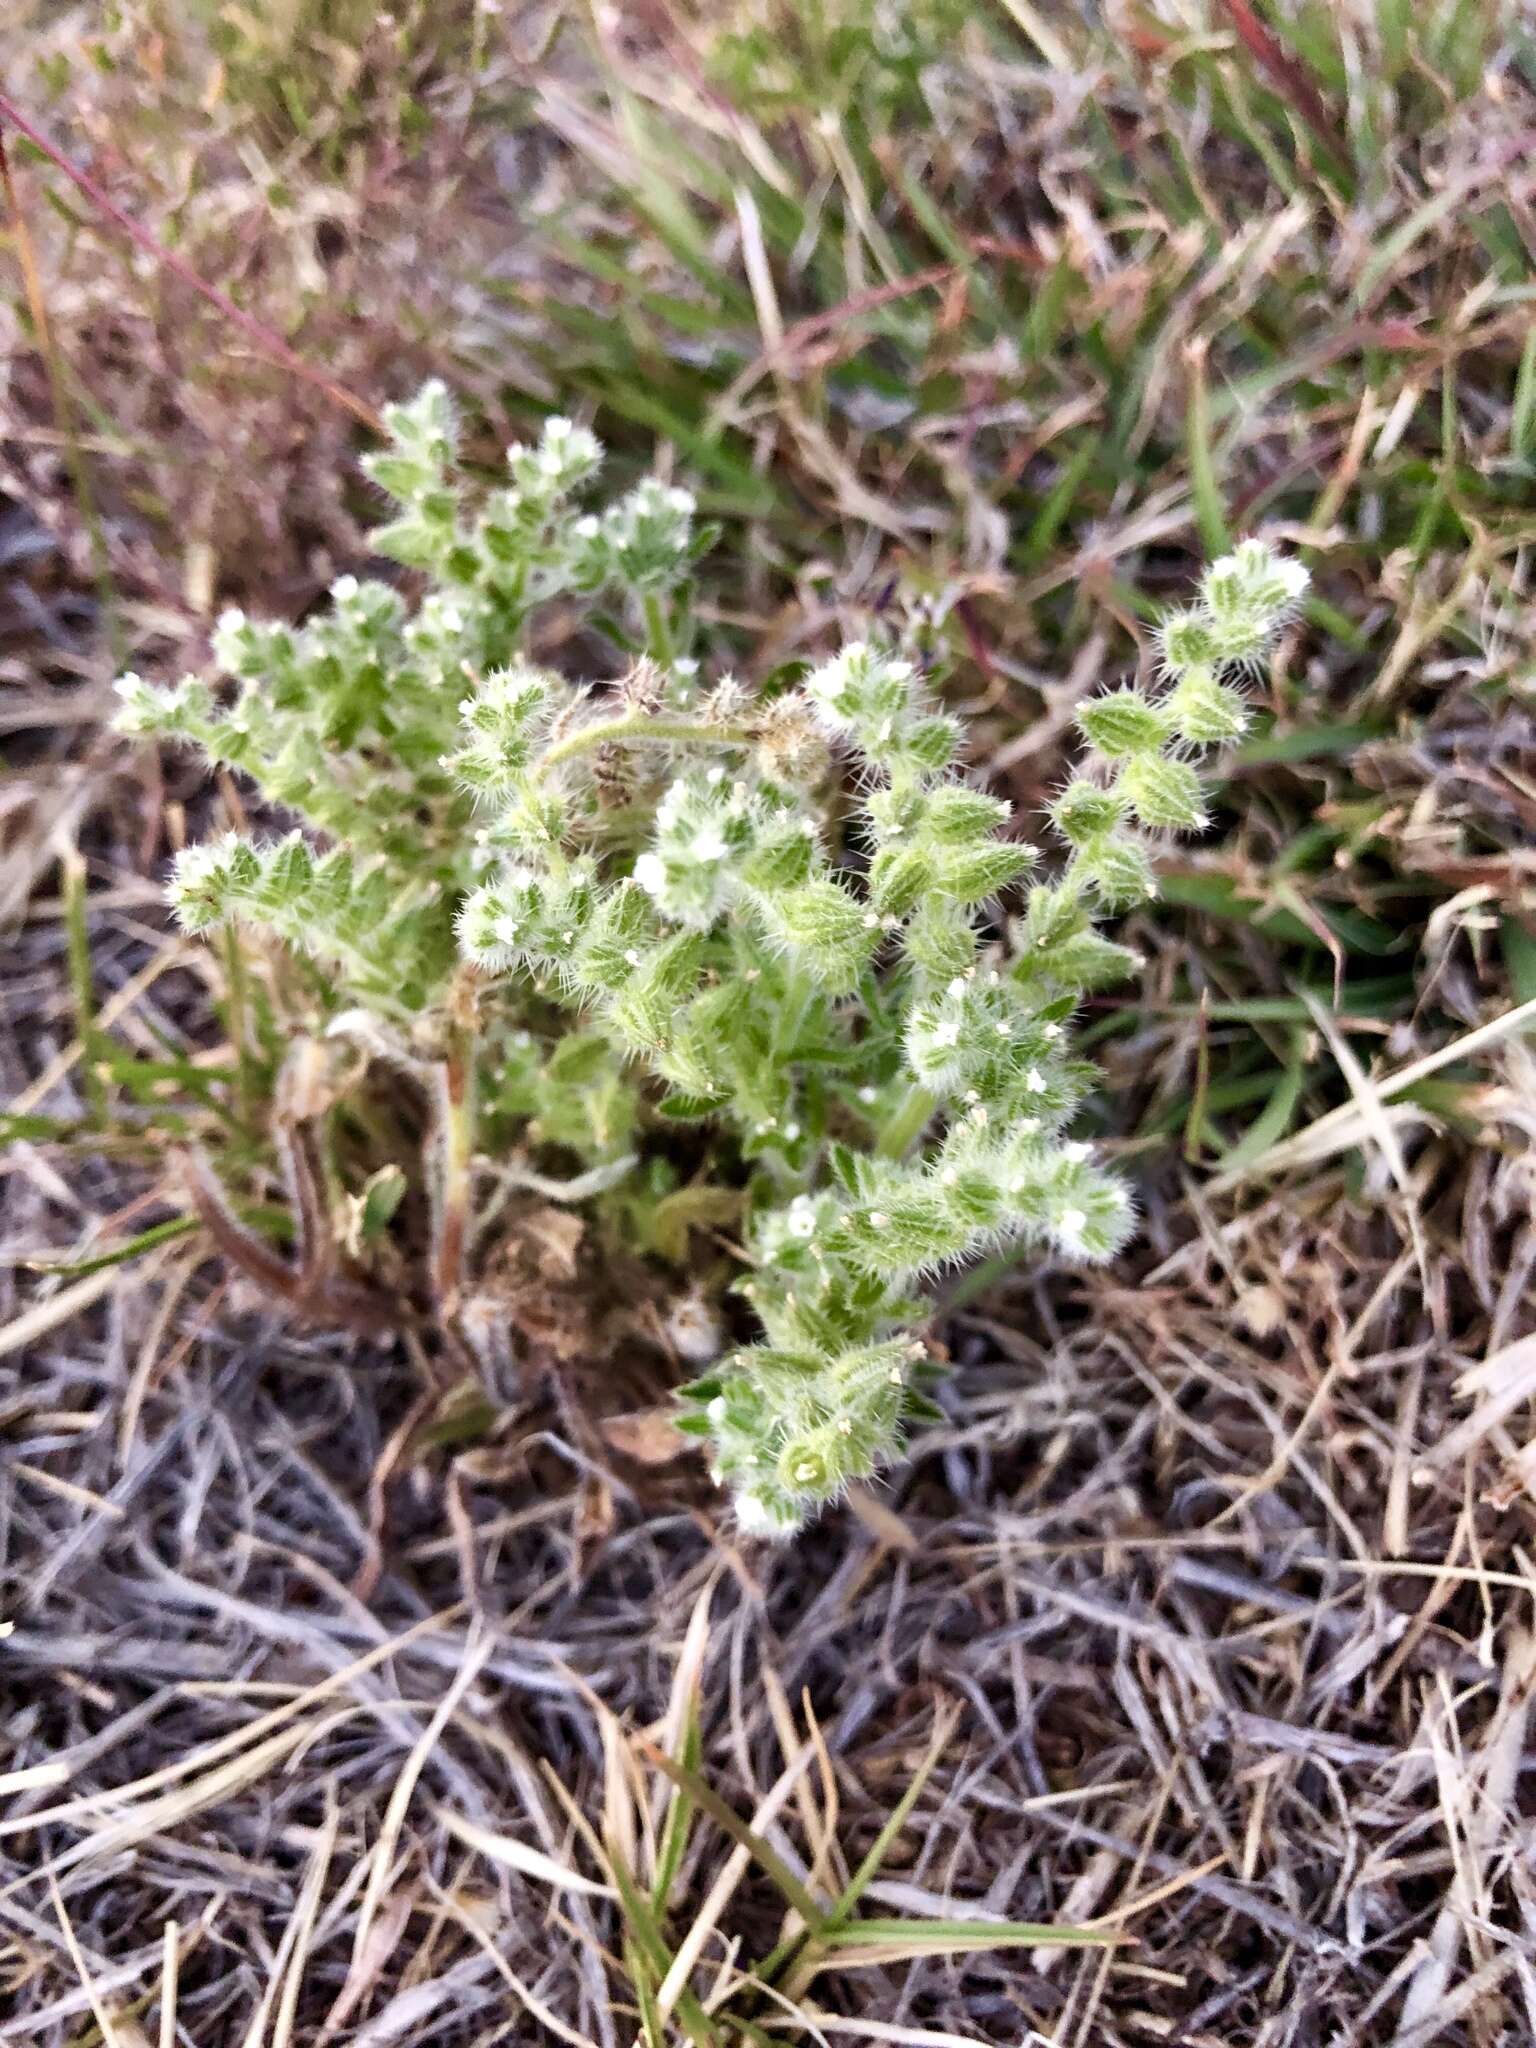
(269, 343)
(1292, 81)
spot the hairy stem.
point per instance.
(916, 1108)
(658, 630)
(644, 728)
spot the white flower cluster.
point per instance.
(705, 825)
(564, 458)
(644, 542)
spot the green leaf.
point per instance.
(383, 1193)
(686, 1109)
(1519, 949)
(119, 1255)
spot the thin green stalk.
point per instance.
(918, 1106)
(1522, 417)
(238, 1012)
(1210, 515)
(78, 939)
(645, 728)
(659, 643)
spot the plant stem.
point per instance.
(455, 1155)
(72, 869)
(658, 631)
(904, 1126)
(644, 728)
(239, 1014)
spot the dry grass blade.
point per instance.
(511, 1854)
(1499, 1385)
(254, 1734)
(153, 1817)
(1341, 1128)
(111, 2035)
(34, 1777)
(382, 1853)
(1378, 1124)
(170, 1970)
(818, 2023)
(303, 1930)
(529, 2002)
(53, 1311)
(1476, 1797)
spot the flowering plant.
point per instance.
(787, 919)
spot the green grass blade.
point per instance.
(880, 1848)
(82, 982)
(146, 1241)
(1522, 415)
(766, 1857)
(679, 1821)
(879, 1941)
(653, 1955)
(1210, 513)
(1274, 1120)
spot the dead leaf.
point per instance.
(648, 1435)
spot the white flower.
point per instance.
(651, 874)
(755, 1516)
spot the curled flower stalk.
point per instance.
(792, 923)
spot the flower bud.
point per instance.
(208, 882)
(1116, 867)
(1188, 640)
(1205, 712)
(1084, 811)
(1123, 724)
(1163, 793)
(823, 928)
